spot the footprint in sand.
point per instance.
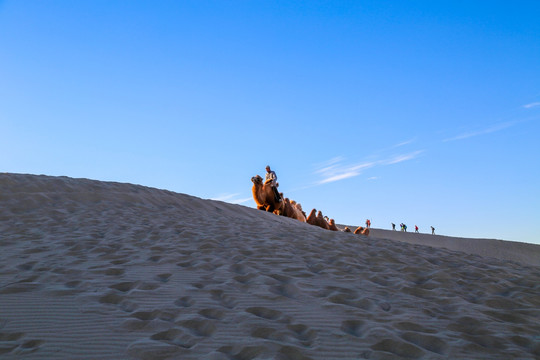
(184, 301)
(114, 271)
(175, 337)
(154, 258)
(212, 313)
(163, 277)
(352, 327)
(285, 290)
(402, 349)
(245, 279)
(124, 286)
(303, 333)
(113, 298)
(21, 286)
(27, 266)
(14, 343)
(185, 264)
(429, 342)
(268, 333)
(198, 327)
(223, 298)
(265, 313)
(243, 352)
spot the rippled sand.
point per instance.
(98, 270)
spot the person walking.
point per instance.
(271, 178)
(393, 227)
(415, 228)
(432, 230)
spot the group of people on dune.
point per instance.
(404, 228)
(268, 198)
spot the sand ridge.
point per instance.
(107, 270)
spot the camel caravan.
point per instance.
(267, 199)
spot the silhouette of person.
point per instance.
(415, 228)
(393, 227)
(432, 230)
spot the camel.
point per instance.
(362, 231)
(312, 217)
(299, 207)
(292, 211)
(321, 221)
(332, 225)
(264, 196)
(317, 219)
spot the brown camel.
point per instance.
(317, 219)
(321, 221)
(264, 195)
(362, 231)
(332, 225)
(298, 206)
(292, 211)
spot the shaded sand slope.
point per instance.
(102, 270)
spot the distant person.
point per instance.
(271, 178)
(368, 223)
(432, 230)
(415, 228)
(393, 227)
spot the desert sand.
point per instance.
(101, 270)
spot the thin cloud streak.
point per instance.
(231, 198)
(337, 172)
(404, 157)
(531, 105)
(492, 129)
(407, 142)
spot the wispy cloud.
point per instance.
(403, 157)
(531, 105)
(489, 130)
(334, 170)
(339, 172)
(231, 198)
(403, 143)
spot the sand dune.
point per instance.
(100, 270)
(505, 250)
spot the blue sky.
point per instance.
(422, 112)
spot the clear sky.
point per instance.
(422, 112)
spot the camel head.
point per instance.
(257, 180)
